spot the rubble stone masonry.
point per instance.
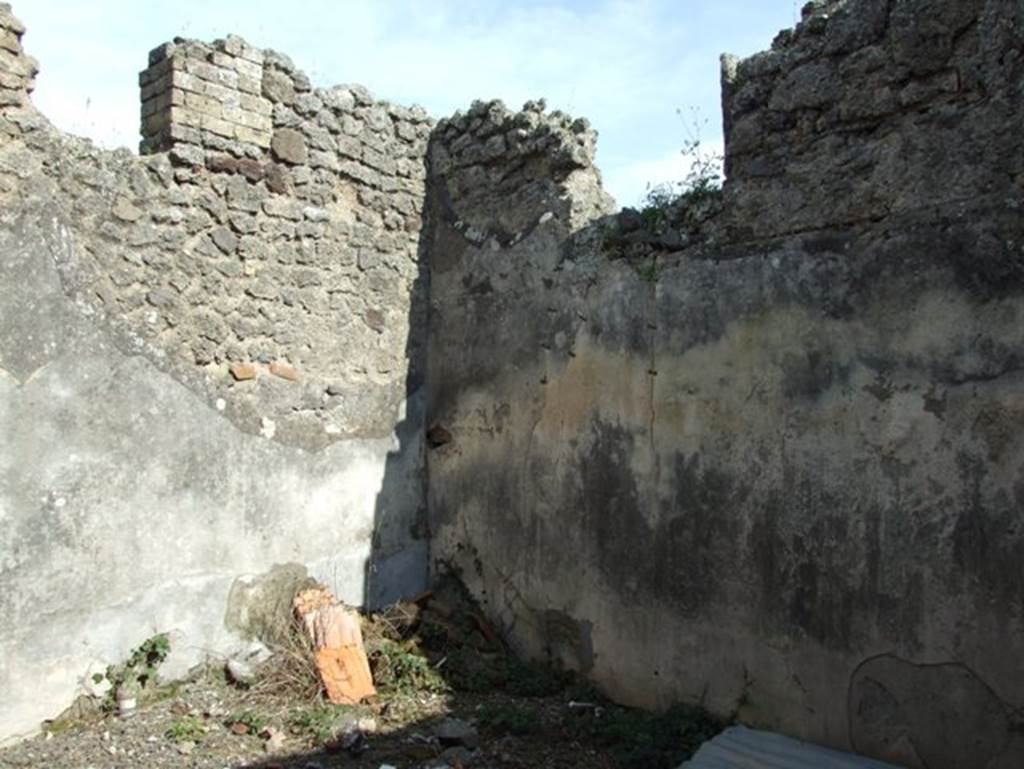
(760, 450)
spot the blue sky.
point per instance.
(627, 66)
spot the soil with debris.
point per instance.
(449, 695)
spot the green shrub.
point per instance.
(139, 671)
(401, 667)
(511, 719)
(187, 729)
(535, 679)
(321, 721)
(679, 201)
(251, 719)
(638, 739)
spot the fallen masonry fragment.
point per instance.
(335, 633)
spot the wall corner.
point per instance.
(199, 98)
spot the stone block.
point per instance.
(203, 104)
(308, 104)
(251, 169)
(351, 125)
(155, 72)
(243, 117)
(325, 160)
(255, 104)
(339, 99)
(217, 126)
(161, 53)
(206, 71)
(278, 87)
(284, 371)
(242, 372)
(17, 64)
(226, 96)
(184, 116)
(9, 21)
(251, 136)
(180, 132)
(222, 164)
(277, 179)
(248, 69)
(221, 59)
(283, 208)
(406, 132)
(238, 47)
(924, 89)
(186, 81)
(350, 147)
(151, 145)
(250, 85)
(243, 224)
(155, 122)
(125, 211)
(187, 155)
(289, 146)
(379, 161)
(10, 42)
(808, 86)
(155, 87)
(301, 81)
(7, 80)
(360, 173)
(225, 240)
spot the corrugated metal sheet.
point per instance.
(741, 748)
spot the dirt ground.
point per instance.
(449, 695)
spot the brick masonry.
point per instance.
(268, 227)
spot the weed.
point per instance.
(510, 719)
(535, 680)
(399, 666)
(292, 665)
(321, 722)
(582, 690)
(686, 200)
(139, 671)
(254, 721)
(187, 729)
(637, 738)
(57, 726)
(469, 671)
(648, 272)
(657, 206)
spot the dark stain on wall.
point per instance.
(988, 537)
(866, 191)
(811, 374)
(696, 533)
(679, 556)
(568, 640)
(984, 265)
(824, 569)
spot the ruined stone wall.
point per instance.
(210, 362)
(776, 471)
(766, 458)
(874, 110)
(18, 69)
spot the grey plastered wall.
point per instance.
(208, 368)
(777, 471)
